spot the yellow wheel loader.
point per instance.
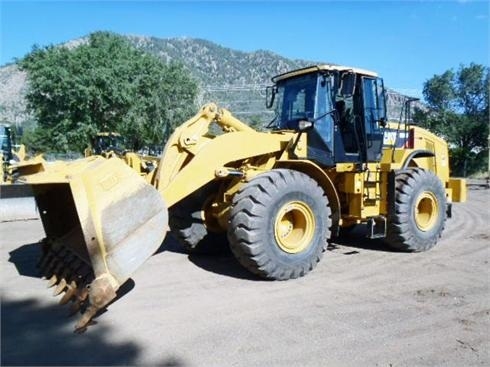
(330, 160)
(13, 156)
(111, 144)
(6, 152)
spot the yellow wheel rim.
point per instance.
(294, 227)
(426, 211)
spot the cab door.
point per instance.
(374, 117)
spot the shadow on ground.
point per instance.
(15, 191)
(223, 265)
(25, 259)
(218, 260)
(356, 239)
(37, 335)
(33, 334)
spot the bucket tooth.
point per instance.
(100, 294)
(60, 287)
(55, 276)
(81, 297)
(55, 273)
(52, 281)
(87, 316)
(70, 292)
(66, 274)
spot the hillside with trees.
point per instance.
(457, 101)
(234, 79)
(104, 84)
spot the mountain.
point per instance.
(12, 90)
(234, 79)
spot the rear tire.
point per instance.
(279, 224)
(419, 212)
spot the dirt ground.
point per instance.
(364, 305)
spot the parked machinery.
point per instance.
(330, 160)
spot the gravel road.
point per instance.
(364, 305)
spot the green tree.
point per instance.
(104, 84)
(459, 111)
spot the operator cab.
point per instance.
(343, 111)
(6, 142)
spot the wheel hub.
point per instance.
(294, 227)
(426, 211)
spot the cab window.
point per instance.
(374, 104)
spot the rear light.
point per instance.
(409, 142)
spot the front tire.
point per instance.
(279, 224)
(188, 225)
(419, 211)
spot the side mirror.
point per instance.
(347, 84)
(270, 95)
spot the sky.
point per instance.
(406, 42)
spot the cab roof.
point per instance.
(108, 133)
(320, 67)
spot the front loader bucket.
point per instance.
(102, 221)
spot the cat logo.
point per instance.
(393, 137)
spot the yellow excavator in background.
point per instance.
(330, 160)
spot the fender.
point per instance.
(419, 153)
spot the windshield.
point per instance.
(5, 139)
(295, 101)
(106, 142)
